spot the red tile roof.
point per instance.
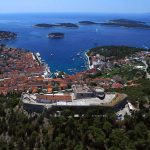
(55, 97)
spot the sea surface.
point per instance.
(68, 53)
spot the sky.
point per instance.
(83, 6)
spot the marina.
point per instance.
(47, 72)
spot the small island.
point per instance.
(6, 35)
(87, 23)
(56, 35)
(66, 25)
(127, 23)
(45, 25)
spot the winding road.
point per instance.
(146, 67)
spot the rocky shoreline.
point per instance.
(6, 35)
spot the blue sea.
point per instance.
(61, 54)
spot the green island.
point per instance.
(87, 23)
(127, 23)
(66, 25)
(45, 25)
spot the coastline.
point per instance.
(35, 38)
(47, 71)
(88, 60)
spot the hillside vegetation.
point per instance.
(115, 52)
(20, 130)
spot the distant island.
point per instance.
(87, 23)
(45, 25)
(66, 25)
(56, 35)
(127, 23)
(6, 35)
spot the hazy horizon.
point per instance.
(75, 13)
(78, 6)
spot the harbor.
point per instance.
(47, 72)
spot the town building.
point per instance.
(82, 98)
